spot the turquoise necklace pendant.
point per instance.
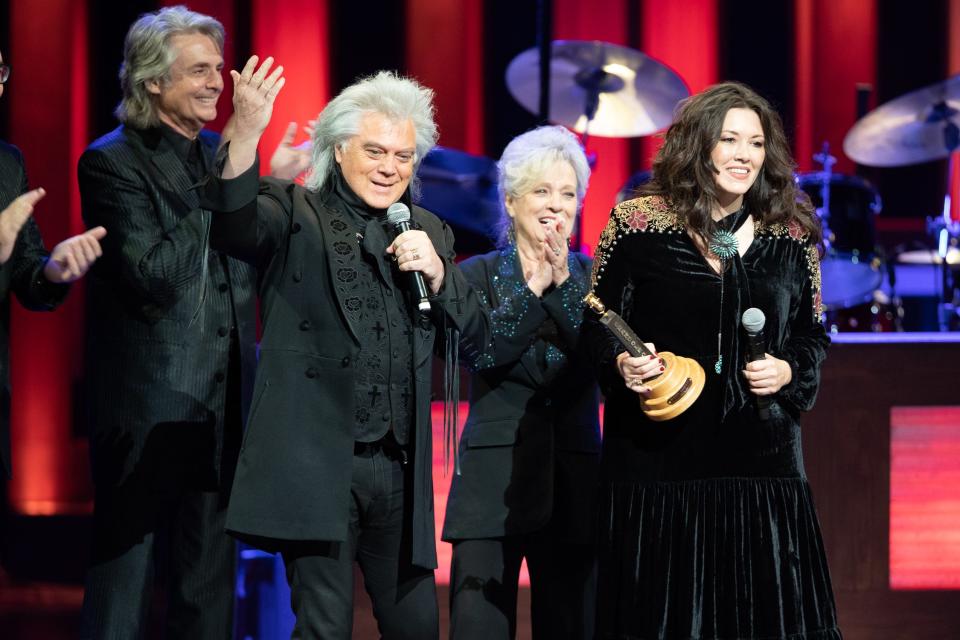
(724, 245)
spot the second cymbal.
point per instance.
(916, 127)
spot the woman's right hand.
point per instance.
(636, 370)
(538, 276)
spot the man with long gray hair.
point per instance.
(170, 344)
(336, 462)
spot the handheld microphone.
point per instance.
(753, 321)
(398, 216)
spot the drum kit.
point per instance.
(920, 126)
(601, 89)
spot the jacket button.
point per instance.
(311, 373)
(222, 332)
(346, 361)
(297, 276)
(305, 325)
(223, 287)
(295, 227)
(219, 377)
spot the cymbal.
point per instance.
(929, 256)
(916, 127)
(637, 94)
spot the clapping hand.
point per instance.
(289, 161)
(73, 257)
(13, 218)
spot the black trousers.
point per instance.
(320, 574)
(167, 518)
(187, 541)
(483, 587)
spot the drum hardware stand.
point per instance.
(826, 161)
(946, 231)
(944, 228)
(895, 300)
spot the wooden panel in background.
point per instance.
(847, 456)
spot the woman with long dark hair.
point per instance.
(708, 528)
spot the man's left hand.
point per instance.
(413, 251)
(73, 257)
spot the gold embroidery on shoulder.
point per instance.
(791, 229)
(647, 213)
(644, 214)
(813, 266)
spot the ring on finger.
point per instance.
(556, 252)
(416, 256)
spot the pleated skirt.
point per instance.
(717, 559)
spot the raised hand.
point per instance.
(254, 93)
(290, 161)
(73, 257)
(556, 252)
(13, 218)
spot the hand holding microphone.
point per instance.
(765, 374)
(753, 321)
(415, 253)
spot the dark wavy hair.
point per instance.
(684, 173)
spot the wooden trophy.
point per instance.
(673, 391)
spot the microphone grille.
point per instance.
(753, 320)
(397, 213)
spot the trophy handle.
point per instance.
(673, 391)
(618, 326)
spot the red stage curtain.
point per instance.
(835, 45)
(684, 37)
(48, 112)
(444, 43)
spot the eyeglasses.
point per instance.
(4, 73)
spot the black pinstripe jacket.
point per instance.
(161, 307)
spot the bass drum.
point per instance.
(850, 270)
(878, 316)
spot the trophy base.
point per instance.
(674, 390)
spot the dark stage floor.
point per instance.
(47, 611)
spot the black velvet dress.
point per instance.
(708, 528)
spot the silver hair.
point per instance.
(524, 161)
(148, 55)
(386, 93)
